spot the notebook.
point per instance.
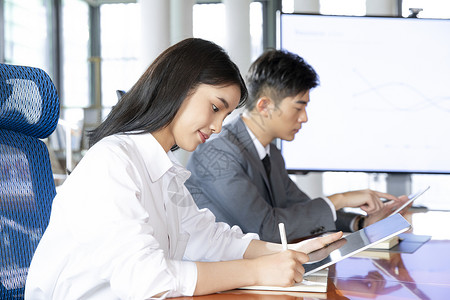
(317, 282)
(387, 244)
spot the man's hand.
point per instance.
(368, 200)
(387, 209)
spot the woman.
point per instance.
(123, 226)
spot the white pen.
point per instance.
(283, 236)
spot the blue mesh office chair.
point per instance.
(29, 111)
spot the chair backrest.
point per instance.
(29, 111)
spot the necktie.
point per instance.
(266, 163)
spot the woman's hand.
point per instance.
(281, 269)
(310, 245)
(273, 266)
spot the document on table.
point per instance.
(316, 282)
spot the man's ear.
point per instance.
(264, 106)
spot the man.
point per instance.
(240, 175)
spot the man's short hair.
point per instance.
(279, 74)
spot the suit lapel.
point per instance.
(240, 131)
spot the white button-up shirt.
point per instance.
(124, 226)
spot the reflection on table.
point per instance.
(423, 274)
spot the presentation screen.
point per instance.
(383, 103)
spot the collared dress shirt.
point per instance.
(123, 226)
(263, 151)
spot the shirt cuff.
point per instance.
(332, 207)
(238, 251)
(352, 224)
(186, 278)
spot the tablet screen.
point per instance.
(411, 198)
(356, 242)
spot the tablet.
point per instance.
(411, 198)
(356, 242)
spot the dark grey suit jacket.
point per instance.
(229, 178)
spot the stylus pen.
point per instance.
(283, 236)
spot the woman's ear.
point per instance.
(264, 106)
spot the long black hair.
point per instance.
(153, 101)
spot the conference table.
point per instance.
(421, 274)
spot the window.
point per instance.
(75, 65)
(209, 20)
(343, 7)
(430, 8)
(120, 47)
(333, 7)
(256, 29)
(27, 40)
